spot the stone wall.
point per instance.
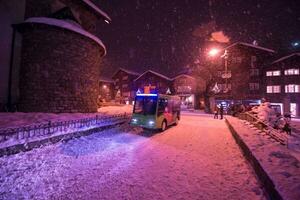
(59, 70)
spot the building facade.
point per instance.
(243, 82)
(124, 89)
(282, 84)
(127, 83)
(106, 90)
(162, 83)
(185, 86)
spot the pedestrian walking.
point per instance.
(216, 112)
(287, 125)
(221, 111)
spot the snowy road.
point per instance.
(198, 159)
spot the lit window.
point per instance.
(269, 73)
(292, 88)
(276, 89)
(291, 72)
(269, 89)
(273, 89)
(125, 78)
(223, 86)
(273, 73)
(276, 73)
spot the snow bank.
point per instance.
(281, 167)
(114, 110)
(18, 119)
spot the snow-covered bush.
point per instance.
(265, 113)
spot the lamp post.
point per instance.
(226, 75)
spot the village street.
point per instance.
(198, 159)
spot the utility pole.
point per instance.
(9, 95)
(226, 75)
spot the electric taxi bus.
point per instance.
(156, 111)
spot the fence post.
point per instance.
(49, 126)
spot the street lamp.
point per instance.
(213, 52)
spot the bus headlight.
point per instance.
(151, 123)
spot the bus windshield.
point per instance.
(145, 105)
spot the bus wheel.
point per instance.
(176, 121)
(163, 126)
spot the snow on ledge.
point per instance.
(98, 10)
(251, 45)
(155, 73)
(65, 25)
(286, 57)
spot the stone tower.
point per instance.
(60, 56)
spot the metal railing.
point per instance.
(50, 128)
(276, 134)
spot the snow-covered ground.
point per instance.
(198, 159)
(18, 119)
(112, 110)
(295, 123)
(278, 161)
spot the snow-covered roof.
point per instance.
(180, 75)
(127, 71)
(95, 8)
(252, 46)
(65, 25)
(286, 57)
(153, 72)
(107, 80)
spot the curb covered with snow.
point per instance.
(277, 169)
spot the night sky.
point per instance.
(160, 34)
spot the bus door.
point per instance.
(176, 103)
(163, 109)
(169, 111)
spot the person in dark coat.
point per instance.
(216, 112)
(221, 111)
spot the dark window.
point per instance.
(162, 104)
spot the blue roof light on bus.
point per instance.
(147, 95)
